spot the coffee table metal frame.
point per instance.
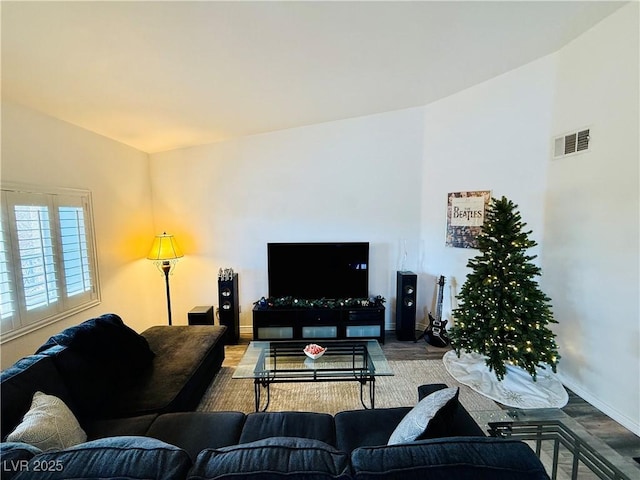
(550, 424)
(286, 362)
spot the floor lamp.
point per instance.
(165, 252)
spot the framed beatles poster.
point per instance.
(465, 217)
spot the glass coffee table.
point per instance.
(285, 362)
(566, 449)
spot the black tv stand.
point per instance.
(317, 324)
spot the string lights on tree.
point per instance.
(503, 314)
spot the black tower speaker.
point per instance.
(229, 309)
(406, 305)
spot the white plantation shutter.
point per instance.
(50, 262)
(76, 257)
(35, 268)
(8, 314)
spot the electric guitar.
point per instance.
(436, 333)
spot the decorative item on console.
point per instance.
(288, 302)
(225, 274)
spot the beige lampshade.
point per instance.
(164, 247)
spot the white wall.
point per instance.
(385, 179)
(41, 150)
(382, 179)
(583, 210)
(351, 180)
(591, 237)
(490, 137)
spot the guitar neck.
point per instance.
(440, 295)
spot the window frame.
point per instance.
(23, 321)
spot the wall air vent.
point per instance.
(572, 143)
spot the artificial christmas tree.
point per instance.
(503, 314)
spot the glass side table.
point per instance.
(565, 448)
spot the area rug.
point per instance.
(517, 389)
(401, 389)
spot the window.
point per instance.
(48, 269)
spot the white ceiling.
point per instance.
(162, 75)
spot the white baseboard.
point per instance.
(608, 410)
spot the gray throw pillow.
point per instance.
(417, 420)
(48, 425)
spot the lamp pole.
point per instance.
(166, 268)
(165, 252)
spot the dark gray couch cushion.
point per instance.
(91, 383)
(14, 455)
(187, 358)
(20, 381)
(358, 428)
(113, 458)
(106, 338)
(97, 359)
(273, 458)
(118, 354)
(463, 458)
(318, 426)
(453, 422)
(195, 431)
(118, 427)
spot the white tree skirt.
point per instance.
(517, 389)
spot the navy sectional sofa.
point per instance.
(134, 396)
(112, 378)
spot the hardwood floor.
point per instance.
(625, 442)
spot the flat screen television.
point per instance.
(318, 270)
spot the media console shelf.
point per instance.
(275, 323)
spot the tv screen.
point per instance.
(318, 270)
